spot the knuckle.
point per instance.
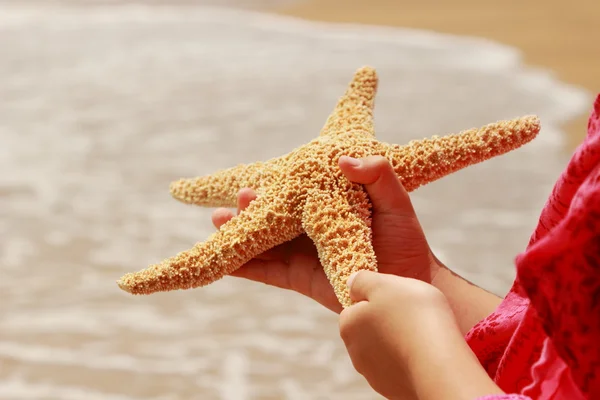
(353, 321)
(346, 325)
(350, 325)
(425, 293)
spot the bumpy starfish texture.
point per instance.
(306, 192)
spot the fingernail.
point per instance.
(351, 279)
(355, 162)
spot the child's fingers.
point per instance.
(350, 321)
(220, 216)
(244, 197)
(362, 284)
(385, 190)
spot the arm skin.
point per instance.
(470, 303)
(448, 369)
(444, 367)
(466, 379)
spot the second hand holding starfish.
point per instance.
(306, 192)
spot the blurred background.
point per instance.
(103, 103)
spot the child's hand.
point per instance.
(402, 337)
(398, 239)
(391, 319)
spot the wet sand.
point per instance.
(561, 36)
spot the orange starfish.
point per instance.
(305, 192)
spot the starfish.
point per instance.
(306, 192)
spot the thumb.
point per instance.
(362, 285)
(383, 186)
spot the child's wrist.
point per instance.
(449, 371)
(469, 302)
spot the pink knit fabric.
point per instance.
(543, 341)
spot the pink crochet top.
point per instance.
(543, 341)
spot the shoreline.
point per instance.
(554, 39)
(561, 42)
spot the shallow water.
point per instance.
(100, 108)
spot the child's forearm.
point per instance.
(469, 302)
(447, 369)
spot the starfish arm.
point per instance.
(342, 235)
(424, 161)
(354, 110)
(260, 227)
(220, 189)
